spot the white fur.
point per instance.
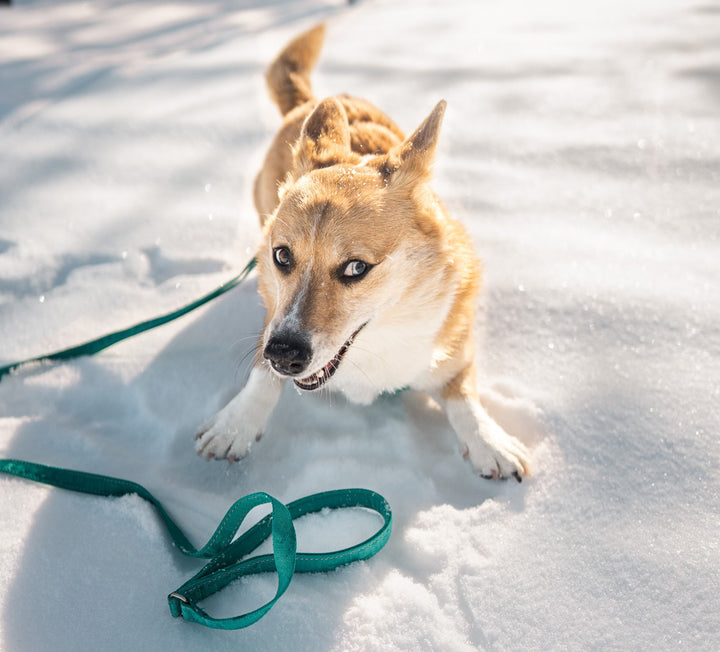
(232, 431)
(387, 355)
(490, 450)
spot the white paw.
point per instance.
(221, 439)
(491, 451)
(230, 434)
(496, 454)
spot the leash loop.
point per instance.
(229, 556)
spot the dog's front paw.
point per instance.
(497, 455)
(491, 451)
(230, 434)
(219, 439)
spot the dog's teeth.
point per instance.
(319, 378)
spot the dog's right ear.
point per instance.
(324, 139)
(411, 161)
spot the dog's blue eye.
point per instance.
(355, 269)
(282, 256)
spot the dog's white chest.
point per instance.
(390, 355)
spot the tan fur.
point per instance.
(341, 130)
(341, 184)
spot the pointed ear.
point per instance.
(324, 138)
(411, 160)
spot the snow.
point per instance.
(581, 147)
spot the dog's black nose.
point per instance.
(289, 353)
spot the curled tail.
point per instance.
(288, 77)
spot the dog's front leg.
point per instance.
(232, 431)
(492, 452)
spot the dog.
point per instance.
(369, 285)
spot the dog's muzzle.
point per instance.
(290, 353)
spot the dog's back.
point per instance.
(288, 80)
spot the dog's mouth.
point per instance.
(320, 377)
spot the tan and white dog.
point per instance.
(370, 286)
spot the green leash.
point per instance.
(228, 558)
(101, 343)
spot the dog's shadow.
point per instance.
(142, 429)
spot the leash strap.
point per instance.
(95, 346)
(229, 558)
(228, 555)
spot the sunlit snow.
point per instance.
(581, 147)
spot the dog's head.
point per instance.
(351, 238)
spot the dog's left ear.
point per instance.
(411, 161)
(324, 138)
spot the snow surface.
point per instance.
(581, 147)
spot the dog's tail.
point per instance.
(288, 77)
